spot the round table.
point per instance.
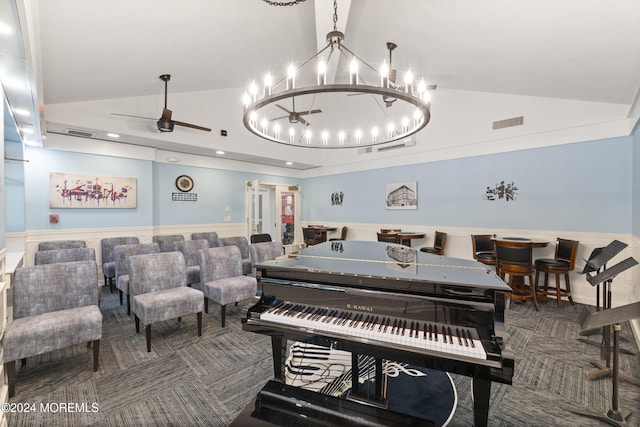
(405, 237)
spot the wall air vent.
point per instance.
(409, 142)
(365, 150)
(80, 133)
(507, 123)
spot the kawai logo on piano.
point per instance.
(360, 307)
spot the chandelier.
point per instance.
(355, 106)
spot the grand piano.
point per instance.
(386, 301)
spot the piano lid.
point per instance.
(388, 261)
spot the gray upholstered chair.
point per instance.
(54, 307)
(121, 253)
(54, 256)
(158, 287)
(222, 278)
(243, 244)
(190, 249)
(166, 242)
(108, 260)
(61, 244)
(264, 251)
(211, 236)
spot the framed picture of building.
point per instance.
(402, 196)
(68, 190)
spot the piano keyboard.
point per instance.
(439, 337)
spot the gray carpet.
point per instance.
(188, 380)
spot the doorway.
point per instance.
(274, 209)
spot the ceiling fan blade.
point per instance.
(281, 117)
(303, 121)
(304, 113)
(131, 115)
(282, 108)
(166, 115)
(189, 125)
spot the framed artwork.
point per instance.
(402, 196)
(68, 190)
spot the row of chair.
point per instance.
(56, 302)
(515, 260)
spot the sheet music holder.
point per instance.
(611, 272)
(606, 318)
(604, 255)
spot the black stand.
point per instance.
(606, 277)
(614, 416)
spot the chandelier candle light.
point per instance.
(341, 119)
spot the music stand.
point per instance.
(606, 318)
(605, 277)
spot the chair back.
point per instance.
(54, 256)
(45, 288)
(482, 243)
(566, 250)
(309, 236)
(388, 237)
(61, 244)
(343, 233)
(166, 242)
(190, 249)
(513, 257)
(262, 237)
(156, 271)
(122, 252)
(440, 240)
(107, 245)
(211, 236)
(240, 241)
(390, 230)
(219, 263)
(265, 251)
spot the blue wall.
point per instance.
(574, 187)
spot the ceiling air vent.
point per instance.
(80, 133)
(409, 142)
(507, 123)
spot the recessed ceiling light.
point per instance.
(5, 29)
(113, 135)
(289, 163)
(220, 152)
(21, 112)
(173, 159)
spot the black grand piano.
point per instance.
(386, 301)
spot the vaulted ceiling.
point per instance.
(570, 68)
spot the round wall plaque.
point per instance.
(184, 183)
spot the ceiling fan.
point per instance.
(165, 123)
(295, 116)
(393, 74)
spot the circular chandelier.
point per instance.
(304, 109)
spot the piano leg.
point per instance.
(355, 394)
(481, 394)
(279, 349)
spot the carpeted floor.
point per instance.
(188, 380)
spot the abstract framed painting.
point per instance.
(68, 190)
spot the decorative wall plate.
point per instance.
(184, 183)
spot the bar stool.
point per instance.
(438, 244)
(484, 250)
(561, 264)
(514, 258)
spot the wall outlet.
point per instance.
(227, 218)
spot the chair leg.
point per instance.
(206, 305)
(568, 284)
(534, 291)
(128, 305)
(120, 296)
(106, 281)
(147, 331)
(10, 368)
(23, 362)
(223, 313)
(199, 315)
(96, 353)
(137, 324)
(179, 319)
(558, 296)
(111, 284)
